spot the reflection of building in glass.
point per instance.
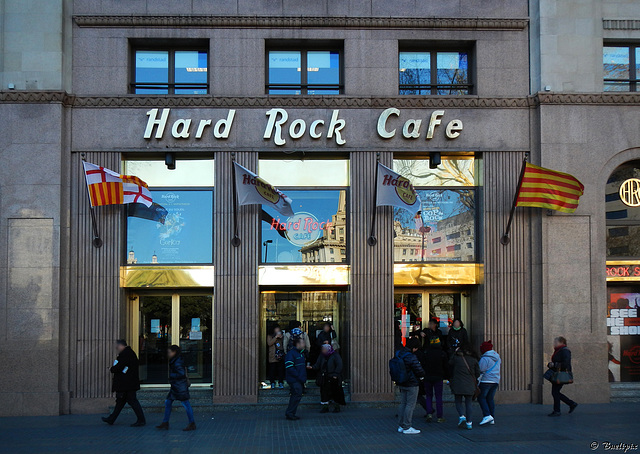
(623, 225)
(451, 239)
(332, 245)
(132, 260)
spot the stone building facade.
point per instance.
(524, 77)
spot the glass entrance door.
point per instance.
(414, 307)
(161, 320)
(313, 309)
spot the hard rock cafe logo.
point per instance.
(404, 188)
(301, 229)
(268, 192)
(633, 354)
(630, 192)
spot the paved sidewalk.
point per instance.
(519, 428)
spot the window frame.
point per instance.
(434, 49)
(634, 75)
(304, 47)
(171, 48)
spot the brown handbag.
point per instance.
(476, 393)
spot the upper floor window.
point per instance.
(621, 67)
(167, 71)
(306, 71)
(434, 72)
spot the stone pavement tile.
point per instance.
(518, 428)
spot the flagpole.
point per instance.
(504, 240)
(372, 240)
(97, 241)
(235, 241)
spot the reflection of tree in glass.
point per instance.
(451, 172)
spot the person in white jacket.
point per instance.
(490, 363)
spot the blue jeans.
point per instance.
(167, 410)
(485, 398)
(294, 399)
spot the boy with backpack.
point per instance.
(406, 371)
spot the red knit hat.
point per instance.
(486, 346)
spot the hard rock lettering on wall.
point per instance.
(281, 129)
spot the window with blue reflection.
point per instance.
(170, 71)
(621, 68)
(191, 72)
(323, 70)
(185, 235)
(316, 233)
(434, 73)
(415, 72)
(294, 72)
(152, 72)
(444, 230)
(285, 76)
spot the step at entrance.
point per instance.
(625, 392)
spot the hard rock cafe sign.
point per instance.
(630, 192)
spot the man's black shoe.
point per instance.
(554, 413)
(138, 424)
(572, 407)
(292, 418)
(107, 420)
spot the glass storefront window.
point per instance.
(623, 329)
(623, 219)
(445, 228)
(307, 173)
(443, 231)
(453, 171)
(185, 234)
(316, 233)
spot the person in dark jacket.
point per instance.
(560, 361)
(434, 367)
(464, 381)
(296, 376)
(457, 336)
(179, 389)
(409, 388)
(326, 336)
(329, 367)
(126, 382)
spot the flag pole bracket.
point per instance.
(235, 241)
(372, 240)
(96, 241)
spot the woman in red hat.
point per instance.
(490, 363)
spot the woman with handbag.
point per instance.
(329, 367)
(464, 382)
(560, 374)
(179, 381)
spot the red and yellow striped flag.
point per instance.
(545, 188)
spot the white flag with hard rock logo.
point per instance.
(253, 190)
(395, 190)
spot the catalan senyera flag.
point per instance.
(545, 188)
(107, 187)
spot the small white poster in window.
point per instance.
(195, 335)
(155, 326)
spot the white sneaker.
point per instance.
(493, 421)
(462, 420)
(469, 426)
(486, 420)
(411, 431)
(400, 429)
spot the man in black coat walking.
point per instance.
(126, 382)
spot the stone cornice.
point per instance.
(300, 22)
(609, 98)
(621, 24)
(326, 102)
